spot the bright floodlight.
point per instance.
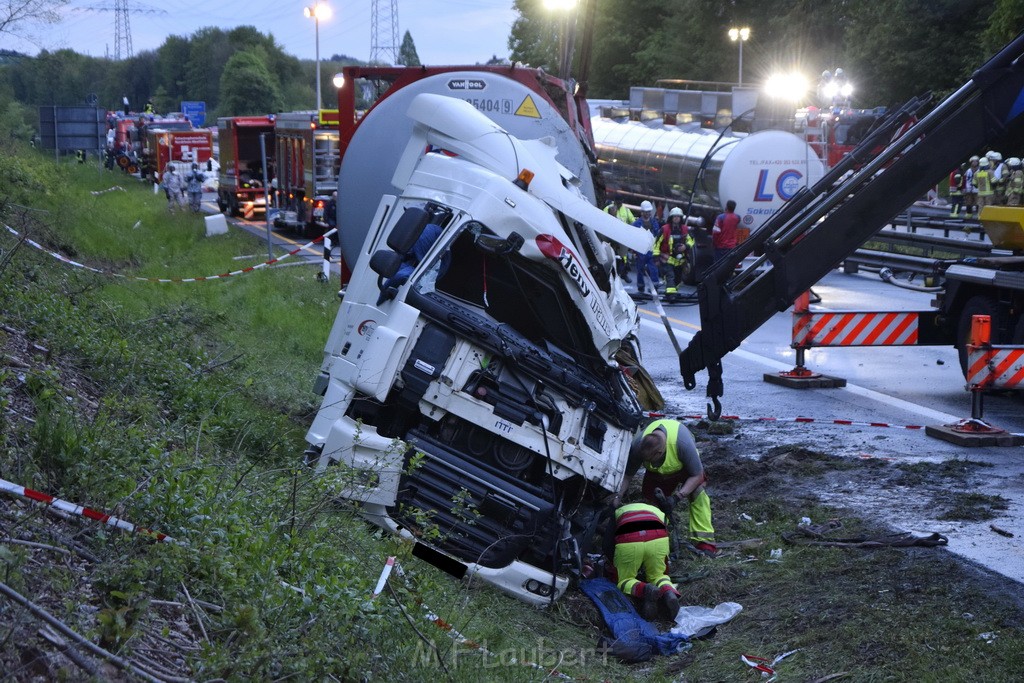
(318, 11)
(791, 86)
(741, 34)
(338, 80)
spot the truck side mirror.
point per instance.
(408, 229)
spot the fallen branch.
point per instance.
(155, 669)
(195, 611)
(63, 628)
(33, 544)
(1000, 531)
(71, 653)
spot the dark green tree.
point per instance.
(903, 48)
(407, 52)
(171, 68)
(1004, 24)
(209, 53)
(534, 36)
(238, 96)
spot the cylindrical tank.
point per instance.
(760, 171)
(368, 163)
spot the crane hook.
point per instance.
(714, 413)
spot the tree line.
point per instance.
(892, 50)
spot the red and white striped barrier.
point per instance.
(81, 511)
(854, 329)
(995, 367)
(64, 259)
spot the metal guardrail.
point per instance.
(917, 221)
(912, 252)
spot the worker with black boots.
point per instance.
(674, 473)
(641, 540)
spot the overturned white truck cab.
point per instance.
(476, 382)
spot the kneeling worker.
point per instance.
(667, 450)
(641, 540)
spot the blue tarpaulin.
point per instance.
(635, 638)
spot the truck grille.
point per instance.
(481, 515)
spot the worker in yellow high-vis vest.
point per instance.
(641, 541)
(667, 450)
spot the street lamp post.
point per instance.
(317, 12)
(567, 36)
(740, 35)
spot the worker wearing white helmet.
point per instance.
(999, 174)
(672, 249)
(983, 181)
(970, 189)
(645, 265)
(1014, 182)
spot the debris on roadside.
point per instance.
(1000, 531)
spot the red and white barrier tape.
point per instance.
(72, 508)
(115, 188)
(803, 420)
(453, 633)
(136, 278)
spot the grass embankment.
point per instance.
(182, 407)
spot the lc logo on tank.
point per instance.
(786, 185)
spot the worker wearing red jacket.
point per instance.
(723, 236)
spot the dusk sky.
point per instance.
(445, 31)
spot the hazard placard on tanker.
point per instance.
(519, 110)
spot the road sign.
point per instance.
(196, 112)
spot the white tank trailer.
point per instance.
(759, 171)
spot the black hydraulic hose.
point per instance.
(889, 277)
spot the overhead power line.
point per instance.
(384, 38)
(122, 10)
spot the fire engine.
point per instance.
(240, 189)
(307, 169)
(158, 145)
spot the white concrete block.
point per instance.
(216, 224)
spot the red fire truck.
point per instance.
(307, 169)
(241, 190)
(180, 148)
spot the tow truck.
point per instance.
(825, 223)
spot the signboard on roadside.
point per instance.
(195, 112)
(73, 128)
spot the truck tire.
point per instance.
(977, 305)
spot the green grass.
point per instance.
(182, 407)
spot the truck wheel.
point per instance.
(976, 305)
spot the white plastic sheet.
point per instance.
(696, 621)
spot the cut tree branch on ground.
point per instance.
(67, 631)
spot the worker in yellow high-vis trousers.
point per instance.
(668, 452)
(641, 541)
